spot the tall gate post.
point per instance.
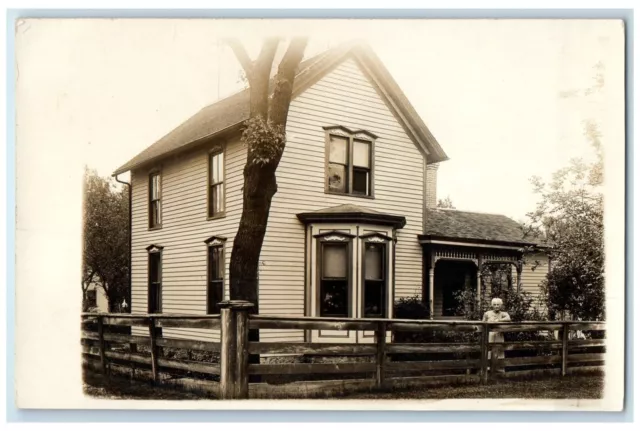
(234, 349)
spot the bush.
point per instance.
(411, 307)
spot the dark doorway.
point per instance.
(451, 279)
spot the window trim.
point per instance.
(151, 250)
(376, 238)
(357, 135)
(153, 173)
(217, 242)
(219, 149)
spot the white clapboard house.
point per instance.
(352, 227)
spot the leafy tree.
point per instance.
(445, 203)
(106, 238)
(264, 137)
(570, 215)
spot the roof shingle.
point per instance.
(475, 226)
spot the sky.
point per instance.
(505, 99)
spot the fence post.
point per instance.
(154, 349)
(565, 347)
(234, 349)
(381, 354)
(103, 357)
(241, 309)
(484, 352)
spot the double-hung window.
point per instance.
(216, 184)
(215, 273)
(374, 280)
(334, 275)
(155, 280)
(349, 162)
(155, 202)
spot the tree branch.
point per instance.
(279, 108)
(243, 57)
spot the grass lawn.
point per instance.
(123, 388)
(570, 387)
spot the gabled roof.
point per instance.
(350, 213)
(228, 114)
(447, 224)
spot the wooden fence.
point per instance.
(438, 352)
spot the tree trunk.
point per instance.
(264, 136)
(265, 139)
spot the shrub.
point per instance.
(411, 307)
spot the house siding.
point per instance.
(534, 272)
(342, 97)
(184, 229)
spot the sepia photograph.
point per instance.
(388, 210)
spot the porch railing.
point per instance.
(222, 368)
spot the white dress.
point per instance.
(496, 337)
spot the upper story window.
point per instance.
(350, 161)
(216, 184)
(155, 202)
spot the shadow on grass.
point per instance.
(122, 388)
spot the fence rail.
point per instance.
(223, 368)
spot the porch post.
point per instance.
(518, 276)
(431, 290)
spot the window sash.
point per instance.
(216, 183)
(329, 283)
(374, 281)
(215, 295)
(353, 162)
(155, 283)
(367, 187)
(155, 195)
(379, 288)
(155, 298)
(215, 278)
(216, 199)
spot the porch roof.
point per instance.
(352, 213)
(481, 228)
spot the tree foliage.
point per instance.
(445, 203)
(570, 216)
(106, 238)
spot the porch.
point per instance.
(469, 257)
(455, 275)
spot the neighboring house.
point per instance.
(97, 300)
(351, 227)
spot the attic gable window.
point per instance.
(155, 203)
(216, 184)
(349, 161)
